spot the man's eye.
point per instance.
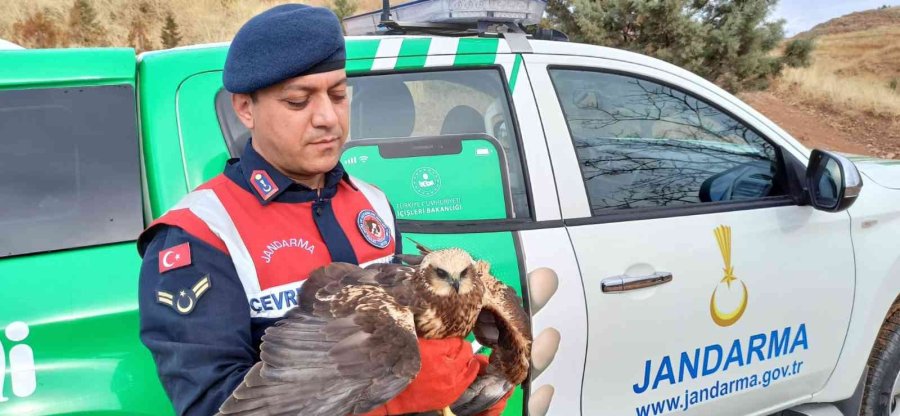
(297, 104)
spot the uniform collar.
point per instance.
(268, 184)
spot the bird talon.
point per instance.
(447, 412)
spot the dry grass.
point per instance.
(199, 21)
(872, 52)
(851, 94)
(851, 72)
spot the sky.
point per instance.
(802, 15)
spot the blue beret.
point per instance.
(283, 42)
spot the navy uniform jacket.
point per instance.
(228, 260)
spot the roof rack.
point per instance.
(449, 18)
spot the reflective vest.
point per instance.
(275, 246)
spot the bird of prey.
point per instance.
(351, 344)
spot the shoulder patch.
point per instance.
(175, 257)
(373, 228)
(185, 300)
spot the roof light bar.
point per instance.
(452, 12)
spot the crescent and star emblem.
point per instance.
(187, 308)
(166, 261)
(727, 318)
(263, 184)
(187, 299)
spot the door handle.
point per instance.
(622, 283)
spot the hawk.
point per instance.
(351, 344)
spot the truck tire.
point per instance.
(880, 397)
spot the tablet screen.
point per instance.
(443, 178)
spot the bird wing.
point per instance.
(413, 259)
(393, 278)
(503, 326)
(349, 349)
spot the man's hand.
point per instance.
(448, 367)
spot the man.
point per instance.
(227, 261)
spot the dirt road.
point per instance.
(826, 129)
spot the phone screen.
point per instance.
(437, 178)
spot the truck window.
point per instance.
(641, 144)
(420, 104)
(69, 168)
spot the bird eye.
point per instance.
(463, 273)
(442, 273)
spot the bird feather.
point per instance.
(351, 344)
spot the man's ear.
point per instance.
(243, 107)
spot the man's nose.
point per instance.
(324, 114)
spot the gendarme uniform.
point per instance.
(227, 261)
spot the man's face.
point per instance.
(300, 124)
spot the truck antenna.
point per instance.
(385, 11)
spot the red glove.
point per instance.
(448, 367)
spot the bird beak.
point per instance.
(455, 284)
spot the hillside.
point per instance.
(134, 23)
(849, 98)
(856, 63)
(856, 22)
(860, 44)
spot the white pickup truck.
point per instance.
(722, 268)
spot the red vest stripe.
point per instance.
(275, 247)
(189, 222)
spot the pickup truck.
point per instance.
(679, 253)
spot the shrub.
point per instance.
(39, 29)
(84, 29)
(798, 53)
(171, 36)
(137, 35)
(343, 8)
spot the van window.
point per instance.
(69, 168)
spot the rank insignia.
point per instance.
(184, 301)
(263, 184)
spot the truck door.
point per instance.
(460, 96)
(446, 148)
(708, 289)
(70, 210)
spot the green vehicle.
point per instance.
(96, 143)
(609, 188)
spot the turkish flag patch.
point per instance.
(175, 257)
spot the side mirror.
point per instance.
(832, 180)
